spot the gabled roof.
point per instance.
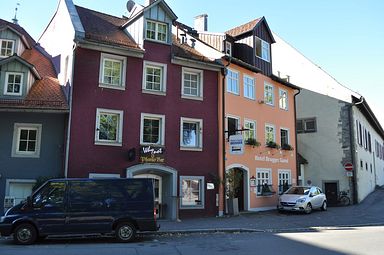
(183, 50)
(248, 27)
(23, 62)
(104, 28)
(25, 37)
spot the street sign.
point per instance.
(236, 144)
(349, 173)
(348, 166)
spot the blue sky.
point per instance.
(343, 37)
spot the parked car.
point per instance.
(302, 198)
(83, 206)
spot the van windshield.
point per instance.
(298, 191)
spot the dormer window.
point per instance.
(262, 49)
(6, 49)
(228, 49)
(157, 31)
(13, 84)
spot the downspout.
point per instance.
(353, 158)
(224, 72)
(70, 112)
(297, 151)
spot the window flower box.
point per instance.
(287, 147)
(252, 141)
(273, 145)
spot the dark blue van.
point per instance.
(83, 206)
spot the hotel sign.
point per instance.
(236, 144)
(152, 154)
(271, 159)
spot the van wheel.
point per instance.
(125, 232)
(25, 234)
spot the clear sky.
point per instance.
(343, 37)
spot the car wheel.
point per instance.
(25, 234)
(324, 206)
(125, 232)
(308, 208)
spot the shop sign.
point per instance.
(152, 154)
(236, 144)
(271, 159)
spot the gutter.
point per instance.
(297, 151)
(353, 158)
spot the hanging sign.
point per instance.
(236, 144)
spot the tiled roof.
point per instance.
(101, 27)
(46, 93)
(243, 28)
(186, 51)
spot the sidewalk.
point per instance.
(367, 213)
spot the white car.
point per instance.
(302, 198)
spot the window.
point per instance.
(369, 142)
(251, 132)
(26, 140)
(228, 48)
(270, 133)
(284, 136)
(283, 99)
(192, 83)
(191, 133)
(112, 71)
(6, 49)
(192, 192)
(262, 49)
(154, 80)
(157, 31)
(109, 127)
(249, 87)
(269, 97)
(14, 84)
(51, 196)
(284, 180)
(263, 180)
(233, 82)
(152, 129)
(306, 125)
(232, 125)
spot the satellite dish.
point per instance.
(130, 5)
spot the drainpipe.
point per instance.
(70, 113)
(354, 162)
(297, 151)
(224, 72)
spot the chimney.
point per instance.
(201, 23)
(148, 2)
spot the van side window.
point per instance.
(137, 191)
(51, 196)
(87, 196)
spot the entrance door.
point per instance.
(239, 192)
(331, 192)
(158, 192)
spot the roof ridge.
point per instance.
(103, 13)
(245, 24)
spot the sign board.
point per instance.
(236, 144)
(349, 173)
(348, 166)
(152, 154)
(210, 186)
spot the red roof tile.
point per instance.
(243, 28)
(186, 51)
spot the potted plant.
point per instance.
(272, 144)
(287, 147)
(252, 141)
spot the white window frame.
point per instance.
(267, 93)
(260, 181)
(246, 133)
(286, 129)
(266, 132)
(249, 86)
(201, 180)
(114, 58)
(16, 140)
(157, 23)
(7, 74)
(12, 50)
(119, 135)
(199, 139)
(228, 48)
(200, 76)
(161, 131)
(265, 50)
(281, 180)
(283, 101)
(235, 90)
(163, 78)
